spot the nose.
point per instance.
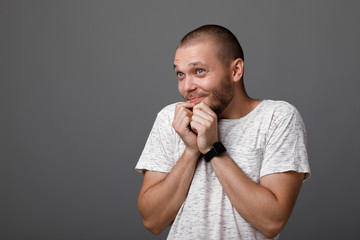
(189, 84)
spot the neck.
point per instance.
(240, 105)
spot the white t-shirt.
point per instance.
(270, 139)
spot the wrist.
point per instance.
(208, 148)
(192, 152)
(217, 149)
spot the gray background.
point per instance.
(82, 81)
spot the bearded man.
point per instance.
(220, 165)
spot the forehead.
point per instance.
(204, 53)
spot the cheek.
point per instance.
(180, 88)
(208, 84)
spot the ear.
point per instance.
(237, 69)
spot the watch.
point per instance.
(216, 150)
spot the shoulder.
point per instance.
(276, 111)
(278, 108)
(167, 112)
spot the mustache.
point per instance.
(194, 95)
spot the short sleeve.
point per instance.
(158, 152)
(286, 146)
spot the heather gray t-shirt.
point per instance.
(270, 139)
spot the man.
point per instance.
(220, 165)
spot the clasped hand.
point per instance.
(196, 125)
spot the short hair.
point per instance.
(229, 47)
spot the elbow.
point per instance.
(153, 228)
(270, 235)
(273, 229)
(150, 222)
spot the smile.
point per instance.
(196, 100)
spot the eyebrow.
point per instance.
(195, 64)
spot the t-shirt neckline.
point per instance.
(244, 118)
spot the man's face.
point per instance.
(202, 77)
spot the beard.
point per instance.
(222, 96)
(219, 98)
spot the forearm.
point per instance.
(254, 202)
(159, 203)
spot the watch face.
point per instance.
(219, 148)
(216, 150)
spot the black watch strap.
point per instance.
(216, 150)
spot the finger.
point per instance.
(202, 120)
(205, 124)
(180, 108)
(202, 106)
(201, 113)
(185, 123)
(180, 116)
(197, 126)
(186, 105)
(191, 129)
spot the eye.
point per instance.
(180, 74)
(200, 71)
